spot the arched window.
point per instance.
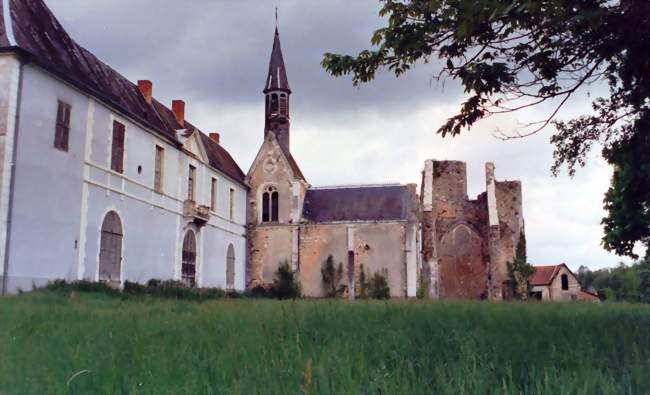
(565, 282)
(230, 267)
(110, 249)
(274, 206)
(188, 266)
(270, 205)
(274, 103)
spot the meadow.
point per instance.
(93, 343)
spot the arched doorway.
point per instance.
(188, 267)
(110, 249)
(230, 267)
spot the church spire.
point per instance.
(277, 92)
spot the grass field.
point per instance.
(92, 343)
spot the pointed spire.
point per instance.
(277, 77)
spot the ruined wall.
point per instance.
(460, 226)
(509, 208)
(377, 246)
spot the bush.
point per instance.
(424, 285)
(376, 287)
(332, 278)
(285, 285)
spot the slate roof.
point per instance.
(362, 203)
(294, 165)
(38, 36)
(277, 76)
(544, 275)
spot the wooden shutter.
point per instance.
(117, 148)
(158, 169)
(62, 129)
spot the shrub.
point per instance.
(332, 278)
(378, 285)
(285, 285)
(424, 285)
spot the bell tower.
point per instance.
(277, 92)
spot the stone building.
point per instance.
(373, 227)
(558, 283)
(466, 244)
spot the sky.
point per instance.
(214, 54)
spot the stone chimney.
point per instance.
(146, 88)
(178, 108)
(215, 137)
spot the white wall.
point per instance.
(61, 197)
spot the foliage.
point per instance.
(332, 278)
(511, 55)
(519, 271)
(622, 283)
(285, 285)
(424, 285)
(92, 344)
(168, 289)
(375, 287)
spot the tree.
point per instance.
(519, 271)
(515, 54)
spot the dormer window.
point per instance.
(270, 205)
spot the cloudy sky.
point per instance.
(214, 55)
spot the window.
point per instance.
(565, 282)
(62, 130)
(213, 195)
(274, 103)
(117, 148)
(191, 179)
(284, 107)
(188, 265)
(159, 169)
(230, 267)
(110, 249)
(232, 204)
(270, 205)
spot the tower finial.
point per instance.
(276, 19)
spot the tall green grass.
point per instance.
(90, 343)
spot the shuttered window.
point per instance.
(232, 204)
(158, 169)
(117, 147)
(213, 195)
(62, 130)
(191, 179)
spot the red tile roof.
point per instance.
(545, 274)
(39, 37)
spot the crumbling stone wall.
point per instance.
(464, 250)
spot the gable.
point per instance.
(194, 145)
(273, 162)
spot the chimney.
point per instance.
(146, 88)
(178, 107)
(215, 137)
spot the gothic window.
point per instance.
(110, 249)
(565, 282)
(188, 266)
(230, 267)
(270, 205)
(117, 147)
(62, 130)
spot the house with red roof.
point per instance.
(558, 283)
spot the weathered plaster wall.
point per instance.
(62, 197)
(269, 245)
(556, 293)
(377, 246)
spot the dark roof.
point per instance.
(363, 203)
(220, 158)
(545, 274)
(40, 37)
(277, 77)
